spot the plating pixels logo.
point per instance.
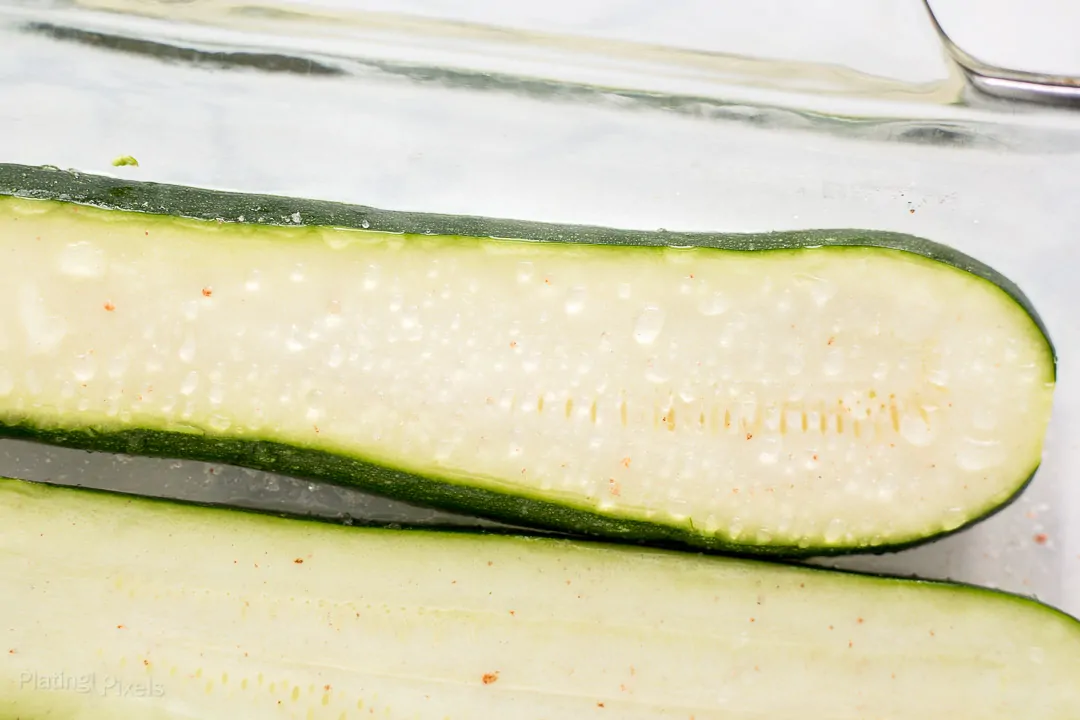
(104, 685)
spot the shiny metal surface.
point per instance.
(1045, 44)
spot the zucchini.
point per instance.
(797, 393)
(121, 607)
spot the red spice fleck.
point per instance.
(912, 211)
(316, 429)
(850, 644)
(613, 487)
(512, 612)
(120, 627)
(600, 704)
(1041, 538)
(513, 343)
(207, 291)
(830, 627)
(757, 668)
(299, 561)
(146, 233)
(490, 563)
(753, 620)
(146, 663)
(931, 633)
(749, 435)
(11, 651)
(860, 621)
(547, 281)
(109, 306)
(324, 687)
(489, 678)
(831, 341)
(626, 462)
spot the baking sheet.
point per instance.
(997, 182)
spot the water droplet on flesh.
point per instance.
(649, 324)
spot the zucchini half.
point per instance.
(792, 393)
(118, 607)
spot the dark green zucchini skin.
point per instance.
(519, 511)
(46, 183)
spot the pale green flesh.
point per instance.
(206, 613)
(822, 397)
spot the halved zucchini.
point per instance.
(119, 608)
(798, 393)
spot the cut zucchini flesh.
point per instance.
(119, 608)
(807, 399)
